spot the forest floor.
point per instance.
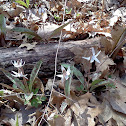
(86, 86)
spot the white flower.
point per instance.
(18, 64)
(94, 57)
(65, 74)
(15, 74)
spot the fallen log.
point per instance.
(46, 52)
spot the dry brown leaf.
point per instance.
(49, 84)
(57, 99)
(118, 105)
(56, 121)
(108, 113)
(73, 87)
(116, 33)
(79, 109)
(16, 98)
(51, 31)
(79, 53)
(28, 45)
(93, 112)
(107, 44)
(105, 62)
(11, 12)
(38, 84)
(83, 99)
(74, 4)
(117, 97)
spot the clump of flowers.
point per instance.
(19, 65)
(26, 85)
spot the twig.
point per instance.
(22, 94)
(66, 96)
(55, 108)
(56, 57)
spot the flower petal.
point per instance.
(92, 59)
(63, 69)
(60, 75)
(68, 71)
(96, 60)
(93, 51)
(98, 53)
(87, 58)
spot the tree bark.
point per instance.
(46, 52)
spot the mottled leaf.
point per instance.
(34, 74)
(26, 30)
(79, 75)
(15, 80)
(22, 3)
(27, 1)
(102, 83)
(96, 82)
(67, 87)
(2, 24)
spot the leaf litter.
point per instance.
(86, 105)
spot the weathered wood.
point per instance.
(46, 52)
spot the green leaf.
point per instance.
(28, 96)
(111, 85)
(34, 74)
(35, 91)
(96, 82)
(101, 83)
(17, 123)
(58, 30)
(1, 93)
(67, 87)
(26, 30)
(26, 102)
(27, 2)
(2, 24)
(43, 98)
(56, 17)
(68, 12)
(34, 102)
(56, 116)
(65, 65)
(15, 80)
(79, 75)
(68, 82)
(22, 3)
(80, 88)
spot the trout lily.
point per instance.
(65, 74)
(94, 56)
(18, 64)
(19, 74)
